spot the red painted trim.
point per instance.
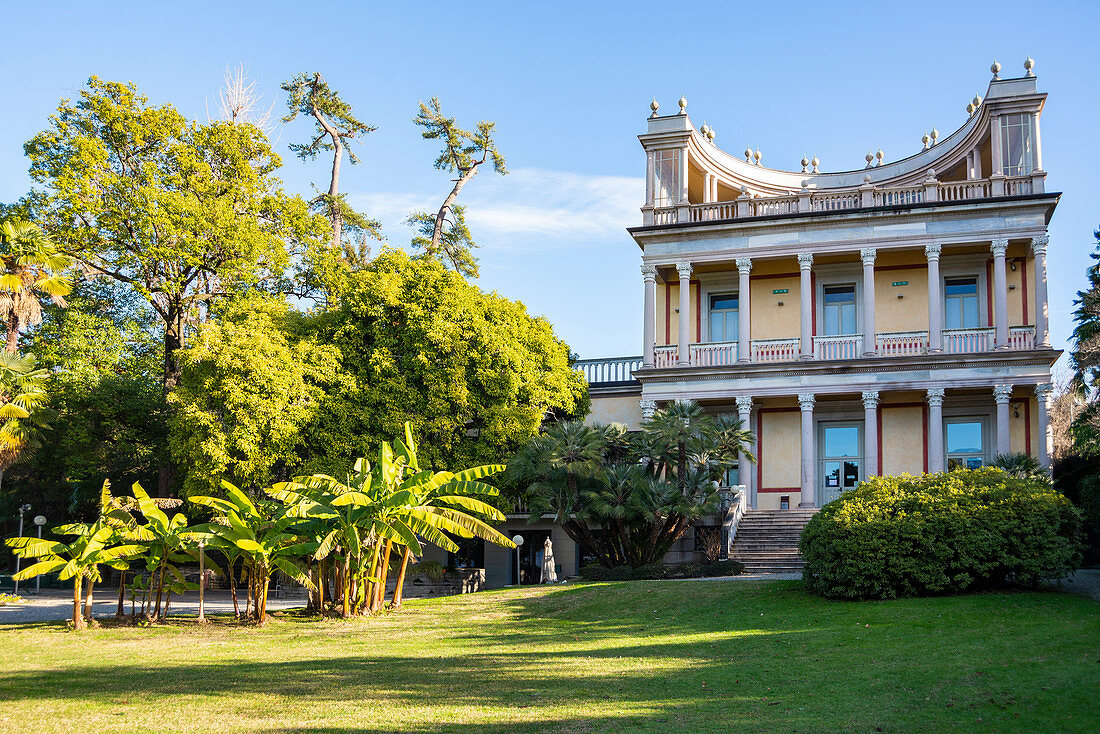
(924, 428)
(813, 303)
(760, 449)
(989, 292)
(915, 266)
(668, 312)
(1025, 319)
(1027, 421)
(698, 311)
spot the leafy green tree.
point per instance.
(472, 371)
(444, 235)
(1085, 357)
(32, 268)
(184, 213)
(336, 128)
(250, 383)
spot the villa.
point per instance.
(882, 320)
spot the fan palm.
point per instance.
(1019, 465)
(679, 425)
(24, 414)
(32, 268)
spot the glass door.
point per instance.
(841, 458)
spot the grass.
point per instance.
(684, 656)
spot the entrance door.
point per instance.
(841, 458)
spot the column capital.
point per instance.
(649, 407)
(999, 247)
(805, 260)
(867, 255)
(932, 252)
(684, 270)
(744, 403)
(935, 397)
(649, 273)
(744, 265)
(870, 399)
(806, 401)
(1039, 244)
(1001, 393)
(1044, 390)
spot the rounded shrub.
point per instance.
(939, 534)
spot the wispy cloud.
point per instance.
(530, 204)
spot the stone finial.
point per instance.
(977, 101)
(744, 190)
(756, 156)
(924, 139)
(1029, 64)
(683, 105)
(805, 165)
(748, 154)
(935, 134)
(880, 155)
(710, 135)
(869, 157)
(996, 69)
(970, 108)
(867, 177)
(705, 128)
(815, 163)
(654, 106)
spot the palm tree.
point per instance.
(32, 267)
(23, 410)
(1019, 465)
(679, 426)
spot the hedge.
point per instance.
(661, 571)
(939, 534)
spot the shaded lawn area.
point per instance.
(687, 656)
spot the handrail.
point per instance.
(734, 515)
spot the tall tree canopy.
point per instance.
(472, 371)
(181, 212)
(336, 128)
(444, 235)
(32, 268)
(1085, 356)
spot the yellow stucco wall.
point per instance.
(616, 409)
(1020, 427)
(769, 320)
(902, 439)
(770, 500)
(673, 297)
(781, 447)
(908, 313)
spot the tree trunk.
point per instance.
(375, 555)
(233, 589)
(78, 618)
(346, 611)
(121, 593)
(681, 466)
(437, 233)
(160, 590)
(321, 587)
(399, 588)
(383, 574)
(173, 342)
(88, 601)
(13, 334)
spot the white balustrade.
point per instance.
(774, 205)
(902, 343)
(614, 369)
(899, 197)
(963, 190)
(665, 356)
(834, 202)
(713, 212)
(1021, 337)
(713, 354)
(774, 350)
(848, 346)
(963, 341)
(1018, 186)
(665, 216)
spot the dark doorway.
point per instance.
(530, 556)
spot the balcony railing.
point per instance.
(850, 346)
(830, 201)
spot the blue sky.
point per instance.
(569, 86)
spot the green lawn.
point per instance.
(685, 657)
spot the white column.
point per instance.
(683, 176)
(935, 299)
(935, 430)
(649, 407)
(870, 433)
(1046, 440)
(809, 451)
(649, 177)
(805, 295)
(706, 189)
(1000, 294)
(713, 188)
(1001, 394)
(1036, 146)
(870, 336)
(649, 315)
(683, 357)
(744, 466)
(744, 267)
(1042, 322)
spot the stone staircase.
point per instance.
(767, 540)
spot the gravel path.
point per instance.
(1085, 581)
(55, 604)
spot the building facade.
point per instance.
(883, 320)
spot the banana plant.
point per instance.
(94, 545)
(264, 534)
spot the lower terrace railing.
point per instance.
(850, 346)
(828, 201)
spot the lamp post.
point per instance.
(22, 509)
(518, 540)
(202, 580)
(39, 520)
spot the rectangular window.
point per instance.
(1016, 144)
(723, 318)
(840, 309)
(965, 442)
(960, 303)
(666, 177)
